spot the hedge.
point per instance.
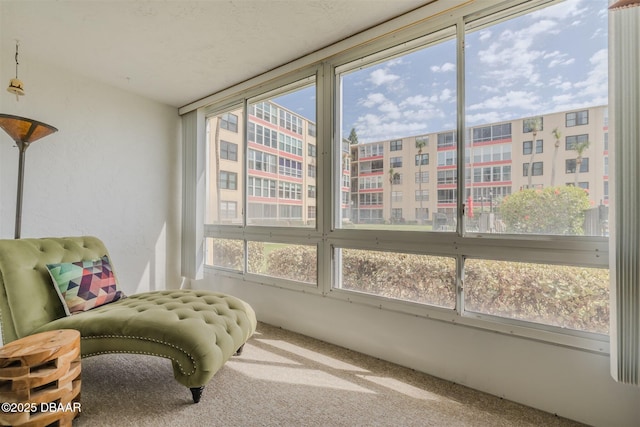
(229, 253)
(569, 297)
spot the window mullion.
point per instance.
(461, 163)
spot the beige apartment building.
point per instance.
(414, 179)
(406, 180)
(281, 167)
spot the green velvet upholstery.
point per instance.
(197, 330)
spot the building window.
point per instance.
(422, 141)
(422, 195)
(422, 159)
(532, 123)
(577, 118)
(311, 191)
(229, 122)
(447, 177)
(290, 121)
(262, 161)
(447, 158)
(290, 144)
(573, 140)
(262, 135)
(311, 212)
(492, 133)
(527, 147)
(228, 180)
(228, 151)
(446, 196)
(422, 176)
(311, 171)
(396, 162)
(570, 165)
(288, 167)
(536, 169)
(395, 145)
(261, 187)
(311, 150)
(228, 210)
(311, 130)
(446, 139)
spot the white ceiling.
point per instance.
(177, 52)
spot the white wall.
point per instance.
(571, 383)
(112, 170)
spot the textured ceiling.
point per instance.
(177, 52)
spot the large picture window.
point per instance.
(405, 191)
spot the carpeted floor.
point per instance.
(286, 379)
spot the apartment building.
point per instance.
(407, 180)
(281, 165)
(414, 179)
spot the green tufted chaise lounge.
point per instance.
(197, 330)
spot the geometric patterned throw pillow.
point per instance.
(84, 285)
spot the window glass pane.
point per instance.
(225, 253)
(285, 261)
(224, 168)
(282, 158)
(528, 84)
(558, 295)
(402, 108)
(418, 278)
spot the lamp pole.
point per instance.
(23, 131)
(22, 147)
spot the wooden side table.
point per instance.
(40, 379)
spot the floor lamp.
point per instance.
(23, 131)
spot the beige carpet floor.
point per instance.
(286, 379)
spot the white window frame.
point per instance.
(327, 236)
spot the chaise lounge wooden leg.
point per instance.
(239, 350)
(196, 392)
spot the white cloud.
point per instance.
(490, 117)
(382, 76)
(596, 85)
(485, 35)
(489, 89)
(373, 99)
(447, 66)
(390, 109)
(569, 9)
(445, 95)
(512, 58)
(513, 99)
(415, 100)
(558, 58)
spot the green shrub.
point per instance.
(552, 210)
(230, 253)
(559, 295)
(419, 278)
(294, 262)
(564, 296)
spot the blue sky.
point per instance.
(554, 59)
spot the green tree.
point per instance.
(557, 135)
(535, 124)
(353, 137)
(580, 148)
(552, 210)
(420, 144)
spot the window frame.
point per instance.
(460, 244)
